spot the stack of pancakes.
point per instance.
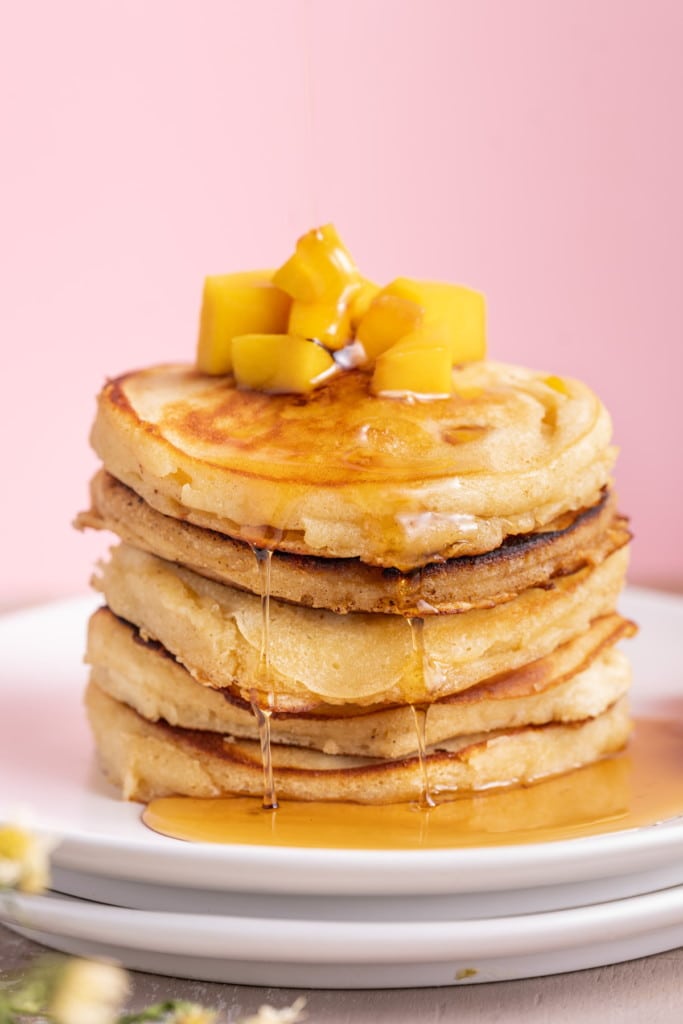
(419, 597)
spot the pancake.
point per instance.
(316, 656)
(341, 473)
(580, 679)
(574, 541)
(419, 594)
(149, 760)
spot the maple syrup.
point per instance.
(420, 713)
(639, 787)
(420, 722)
(264, 559)
(263, 716)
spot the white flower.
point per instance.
(10, 872)
(88, 992)
(287, 1015)
(24, 859)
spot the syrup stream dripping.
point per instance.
(264, 557)
(420, 714)
(263, 719)
(420, 721)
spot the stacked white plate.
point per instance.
(318, 917)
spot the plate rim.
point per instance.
(334, 941)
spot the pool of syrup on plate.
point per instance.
(638, 787)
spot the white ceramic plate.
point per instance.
(343, 954)
(46, 765)
(426, 907)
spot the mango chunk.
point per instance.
(388, 319)
(360, 300)
(235, 304)
(419, 364)
(327, 322)
(279, 363)
(461, 310)
(321, 269)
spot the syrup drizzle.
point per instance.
(420, 713)
(408, 587)
(263, 716)
(420, 722)
(264, 558)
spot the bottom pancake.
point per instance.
(153, 759)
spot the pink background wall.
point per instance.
(528, 147)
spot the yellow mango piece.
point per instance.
(279, 363)
(360, 299)
(321, 269)
(388, 319)
(461, 310)
(327, 322)
(235, 304)
(419, 364)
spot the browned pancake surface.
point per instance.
(316, 656)
(342, 473)
(349, 585)
(578, 680)
(149, 760)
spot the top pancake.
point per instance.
(342, 473)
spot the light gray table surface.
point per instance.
(646, 991)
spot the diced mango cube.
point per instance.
(388, 319)
(359, 301)
(321, 269)
(279, 363)
(419, 364)
(462, 311)
(235, 304)
(327, 322)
